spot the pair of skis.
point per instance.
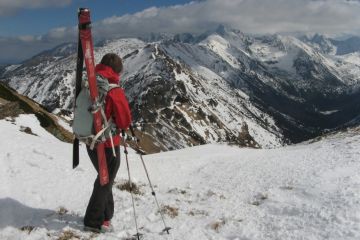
(86, 52)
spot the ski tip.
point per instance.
(80, 10)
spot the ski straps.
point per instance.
(98, 135)
(107, 125)
(98, 106)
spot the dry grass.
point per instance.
(147, 142)
(62, 211)
(27, 130)
(170, 211)
(216, 226)
(125, 186)
(68, 235)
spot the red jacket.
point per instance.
(116, 104)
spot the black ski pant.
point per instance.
(101, 204)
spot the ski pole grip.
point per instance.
(133, 133)
(123, 132)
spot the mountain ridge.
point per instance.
(221, 86)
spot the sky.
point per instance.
(30, 26)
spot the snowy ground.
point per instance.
(307, 191)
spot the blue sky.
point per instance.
(39, 20)
(28, 27)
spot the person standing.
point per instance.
(100, 209)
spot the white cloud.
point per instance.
(332, 17)
(16, 49)
(253, 16)
(9, 7)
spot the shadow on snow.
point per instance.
(17, 215)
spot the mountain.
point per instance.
(347, 46)
(220, 86)
(2, 69)
(331, 46)
(13, 104)
(214, 191)
(321, 43)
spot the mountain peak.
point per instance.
(185, 38)
(223, 31)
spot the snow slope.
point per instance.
(305, 191)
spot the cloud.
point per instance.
(252, 16)
(17, 49)
(332, 17)
(10, 7)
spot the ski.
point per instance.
(78, 79)
(86, 42)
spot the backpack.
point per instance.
(83, 123)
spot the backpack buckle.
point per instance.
(95, 107)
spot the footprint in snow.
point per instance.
(288, 188)
(259, 199)
(42, 154)
(196, 212)
(177, 191)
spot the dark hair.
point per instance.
(112, 60)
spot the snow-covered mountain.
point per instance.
(216, 191)
(347, 46)
(221, 86)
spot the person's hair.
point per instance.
(114, 61)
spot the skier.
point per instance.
(100, 209)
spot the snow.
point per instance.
(329, 112)
(281, 53)
(305, 191)
(353, 58)
(64, 122)
(234, 106)
(226, 65)
(348, 66)
(12, 67)
(221, 47)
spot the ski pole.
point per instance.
(137, 235)
(166, 228)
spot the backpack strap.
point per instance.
(112, 86)
(107, 124)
